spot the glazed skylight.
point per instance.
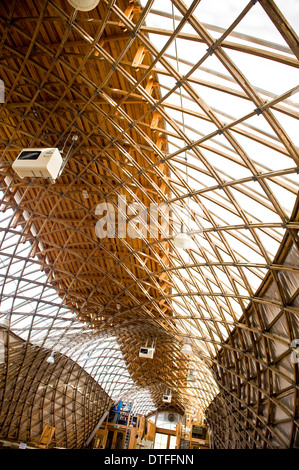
(229, 106)
(241, 206)
(38, 315)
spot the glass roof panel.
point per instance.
(229, 173)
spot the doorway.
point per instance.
(115, 439)
(164, 441)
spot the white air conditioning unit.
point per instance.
(146, 352)
(38, 163)
(167, 398)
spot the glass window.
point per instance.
(161, 441)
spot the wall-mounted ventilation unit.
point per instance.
(167, 398)
(146, 352)
(38, 163)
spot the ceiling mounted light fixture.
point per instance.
(191, 377)
(4, 322)
(51, 359)
(182, 240)
(84, 5)
(187, 348)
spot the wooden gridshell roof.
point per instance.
(150, 103)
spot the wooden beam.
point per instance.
(282, 25)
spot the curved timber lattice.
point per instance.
(193, 105)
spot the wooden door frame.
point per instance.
(115, 431)
(168, 434)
